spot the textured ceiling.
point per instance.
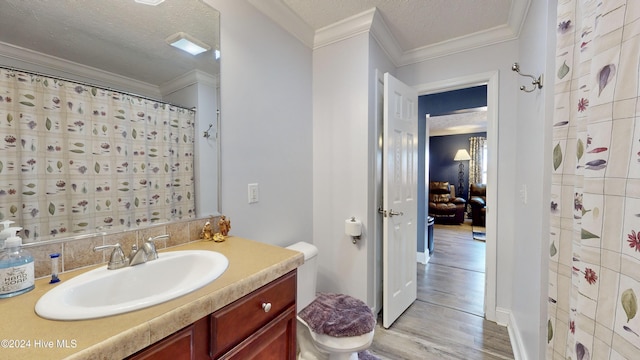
(414, 23)
(459, 123)
(420, 24)
(127, 38)
(118, 36)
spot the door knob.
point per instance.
(394, 213)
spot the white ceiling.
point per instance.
(117, 36)
(461, 122)
(414, 23)
(127, 38)
(418, 30)
(412, 30)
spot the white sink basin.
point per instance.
(101, 292)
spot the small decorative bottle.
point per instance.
(16, 269)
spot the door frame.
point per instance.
(491, 79)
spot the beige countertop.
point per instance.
(25, 335)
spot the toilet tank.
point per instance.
(307, 274)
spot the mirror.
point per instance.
(121, 45)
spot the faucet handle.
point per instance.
(150, 246)
(117, 259)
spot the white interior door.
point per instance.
(399, 200)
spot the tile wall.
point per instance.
(78, 253)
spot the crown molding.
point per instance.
(282, 15)
(26, 59)
(510, 31)
(188, 79)
(384, 37)
(371, 20)
(344, 29)
(460, 44)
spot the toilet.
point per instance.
(330, 326)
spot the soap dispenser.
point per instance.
(16, 267)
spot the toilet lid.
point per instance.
(338, 315)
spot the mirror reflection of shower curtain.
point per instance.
(76, 159)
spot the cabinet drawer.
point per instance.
(238, 320)
(275, 341)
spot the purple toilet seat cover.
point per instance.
(338, 315)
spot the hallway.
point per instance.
(446, 321)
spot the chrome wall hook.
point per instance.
(207, 133)
(536, 82)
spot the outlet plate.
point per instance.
(253, 193)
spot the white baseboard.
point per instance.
(514, 335)
(423, 257)
(503, 316)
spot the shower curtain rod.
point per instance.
(14, 69)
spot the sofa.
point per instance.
(478, 201)
(444, 206)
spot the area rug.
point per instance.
(479, 233)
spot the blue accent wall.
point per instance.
(442, 149)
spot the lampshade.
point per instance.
(462, 155)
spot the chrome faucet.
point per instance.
(148, 251)
(136, 257)
(117, 259)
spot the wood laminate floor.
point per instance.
(446, 321)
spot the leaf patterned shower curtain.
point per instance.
(77, 159)
(594, 274)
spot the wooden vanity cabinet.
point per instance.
(260, 325)
(190, 343)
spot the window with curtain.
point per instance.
(478, 162)
(77, 159)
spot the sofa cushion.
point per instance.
(439, 198)
(439, 187)
(443, 208)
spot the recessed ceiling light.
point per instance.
(149, 2)
(188, 43)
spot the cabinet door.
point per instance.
(239, 320)
(190, 343)
(275, 341)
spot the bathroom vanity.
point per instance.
(261, 325)
(227, 318)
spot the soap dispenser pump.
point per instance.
(16, 267)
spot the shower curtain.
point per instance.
(594, 273)
(77, 159)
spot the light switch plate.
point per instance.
(254, 193)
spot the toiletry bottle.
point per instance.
(16, 268)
